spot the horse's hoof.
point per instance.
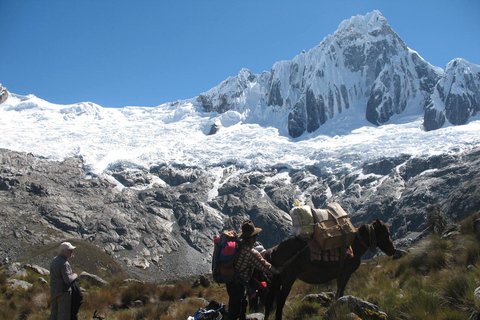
(399, 253)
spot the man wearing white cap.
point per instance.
(61, 277)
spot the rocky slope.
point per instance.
(166, 230)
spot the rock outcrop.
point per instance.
(3, 94)
(456, 97)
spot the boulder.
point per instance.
(15, 270)
(358, 306)
(37, 269)
(95, 280)
(325, 299)
(15, 283)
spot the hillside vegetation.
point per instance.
(435, 280)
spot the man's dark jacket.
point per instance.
(77, 299)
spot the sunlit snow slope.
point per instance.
(140, 137)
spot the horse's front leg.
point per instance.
(342, 281)
(287, 283)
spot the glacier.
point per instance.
(141, 137)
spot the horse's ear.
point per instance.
(378, 221)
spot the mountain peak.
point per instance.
(458, 63)
(371, 21)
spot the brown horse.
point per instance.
(290, 255)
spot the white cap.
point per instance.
(260, 248)
(66, 246)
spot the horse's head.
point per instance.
(382, 234)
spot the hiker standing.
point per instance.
(246, 260)
(61, 277)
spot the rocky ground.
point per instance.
(160, 224)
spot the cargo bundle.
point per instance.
(331, 228)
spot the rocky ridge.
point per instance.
(3, 94)
(165, 230)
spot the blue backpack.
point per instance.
(214, 311)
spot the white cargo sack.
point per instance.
(302, 220)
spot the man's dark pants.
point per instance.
(237, 304)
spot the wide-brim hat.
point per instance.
(249, 230)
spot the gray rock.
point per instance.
(15, 283)
(356, 305)
(94, 279)
(325, 299)
(37, 269)
(132, 280)
(15, 270)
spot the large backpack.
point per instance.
(225, 247)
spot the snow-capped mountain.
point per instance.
(363, 68)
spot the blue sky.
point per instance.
(143, 53)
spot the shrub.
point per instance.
(102, 299)
(138, 291)
(437, 220)
(420, 304)
(177, 291)
(455, 287)
(430, 255)
(3, 279)
(302, 310)
(183, 309)
(472, 252)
